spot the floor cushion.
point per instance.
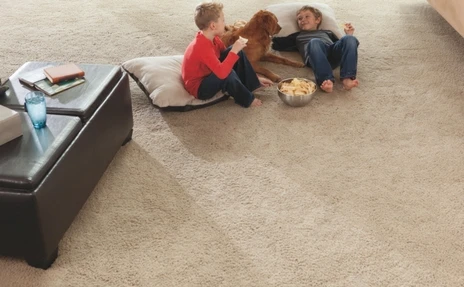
(160, 79)
(286, 14)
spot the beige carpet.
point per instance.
(360, 188)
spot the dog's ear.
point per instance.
(269, 22)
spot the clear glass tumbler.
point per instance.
(36, 109)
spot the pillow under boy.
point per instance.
(286, 14)
(160, 79)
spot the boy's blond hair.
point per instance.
(316, 12)
(206, 13)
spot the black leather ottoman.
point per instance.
(47, 175)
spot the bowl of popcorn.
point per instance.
(296, 92)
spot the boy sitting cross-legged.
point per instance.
(209, 67)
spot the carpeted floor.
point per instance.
(360, 188)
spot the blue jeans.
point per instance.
(239, 84)
(323, 58)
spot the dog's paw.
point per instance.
(297, 64)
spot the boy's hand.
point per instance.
(238, 46)
(349, 29)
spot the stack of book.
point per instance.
(53, 79)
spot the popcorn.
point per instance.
(298, 87)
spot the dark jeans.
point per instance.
(239, 84)
(323, 58)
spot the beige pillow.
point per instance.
(160, 79)
(286, 14)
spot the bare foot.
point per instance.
(327, 86)
(348, 83)
(256, 103)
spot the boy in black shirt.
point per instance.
(321, 50)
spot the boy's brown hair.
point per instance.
(316, 12)
(206, 13)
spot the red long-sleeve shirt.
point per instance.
(201, 58)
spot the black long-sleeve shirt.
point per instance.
(299, 40)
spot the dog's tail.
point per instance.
(229, 28)
(237, 25)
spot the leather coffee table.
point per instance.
(47, 175)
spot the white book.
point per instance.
(10, 125)
(32, 77)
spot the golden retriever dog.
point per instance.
(259, 31)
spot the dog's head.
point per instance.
(268, 21)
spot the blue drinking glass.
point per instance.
(36, 108)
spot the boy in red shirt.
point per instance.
(209, 67)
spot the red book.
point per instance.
(60, 73)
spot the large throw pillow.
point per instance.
(286, 14)
(160, 79)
